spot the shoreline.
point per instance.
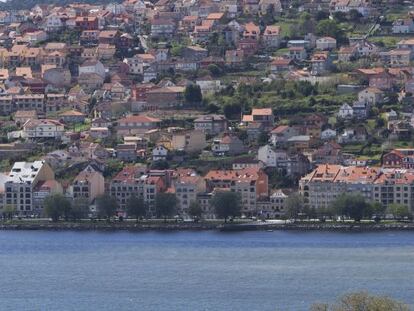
(171, 227)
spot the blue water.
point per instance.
(199, 270)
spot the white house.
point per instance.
(403, 26)
(271, 157)
(346, 112)
(44, 128)
(366, 49)
(326, 43)
(371, 95)
(328, 134)
(92, 66)
(159, 153)
(53, 23)
(208, 85)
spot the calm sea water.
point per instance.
(199, 270)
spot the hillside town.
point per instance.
(288, 104)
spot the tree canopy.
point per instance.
(294, 205)
(106, 206)
(399, 211)
(192, 94)
(362, 301)
(331, 28)
(165, 205)
(57, 205)
(226, 204)
(136, 207)
(353, 206)
(195, 210)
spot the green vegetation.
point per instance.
(136, 207)
(362, 301)
(192, 94)
(165, 205)
(106, 206)
(56, 206)
(195, 211)
(352, 206)
(226, 204)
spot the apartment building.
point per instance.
(126, 184)
(24, 183)
(88, 184)
(44, 128)
(187, 186)
(251, 183)
(385, 185)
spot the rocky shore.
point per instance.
(256, 226)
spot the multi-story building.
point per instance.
(187, 186)
(327, 182)
(263, 116)
(43, 128)
(126, 184)
(188, 140)
(24, 183)
(211, 124)
(133, 125)
(251, 183)
(88, 184)
(29, 102)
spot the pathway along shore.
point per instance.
(188, 226)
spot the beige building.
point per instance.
(189, 141)
(386, 185)
(88, 184)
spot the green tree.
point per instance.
(106, 206)
(353, 206)
(399, 211)
(331, 28)
(80, 208)
(294, 205)
(195, 210)
(56, 205)
(136, 207)
(226, 204)
(215, 70)
(377, 208)
(362, 301)
(165, 205)
(192, 94)
(355, 16)
(9, 211)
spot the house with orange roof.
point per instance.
(136, 124)
(281, 134)
(320, 62)
(251, 31)
(271, 36)
(189, 22)
(262, 116)
(227, 145)
(280, 64)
